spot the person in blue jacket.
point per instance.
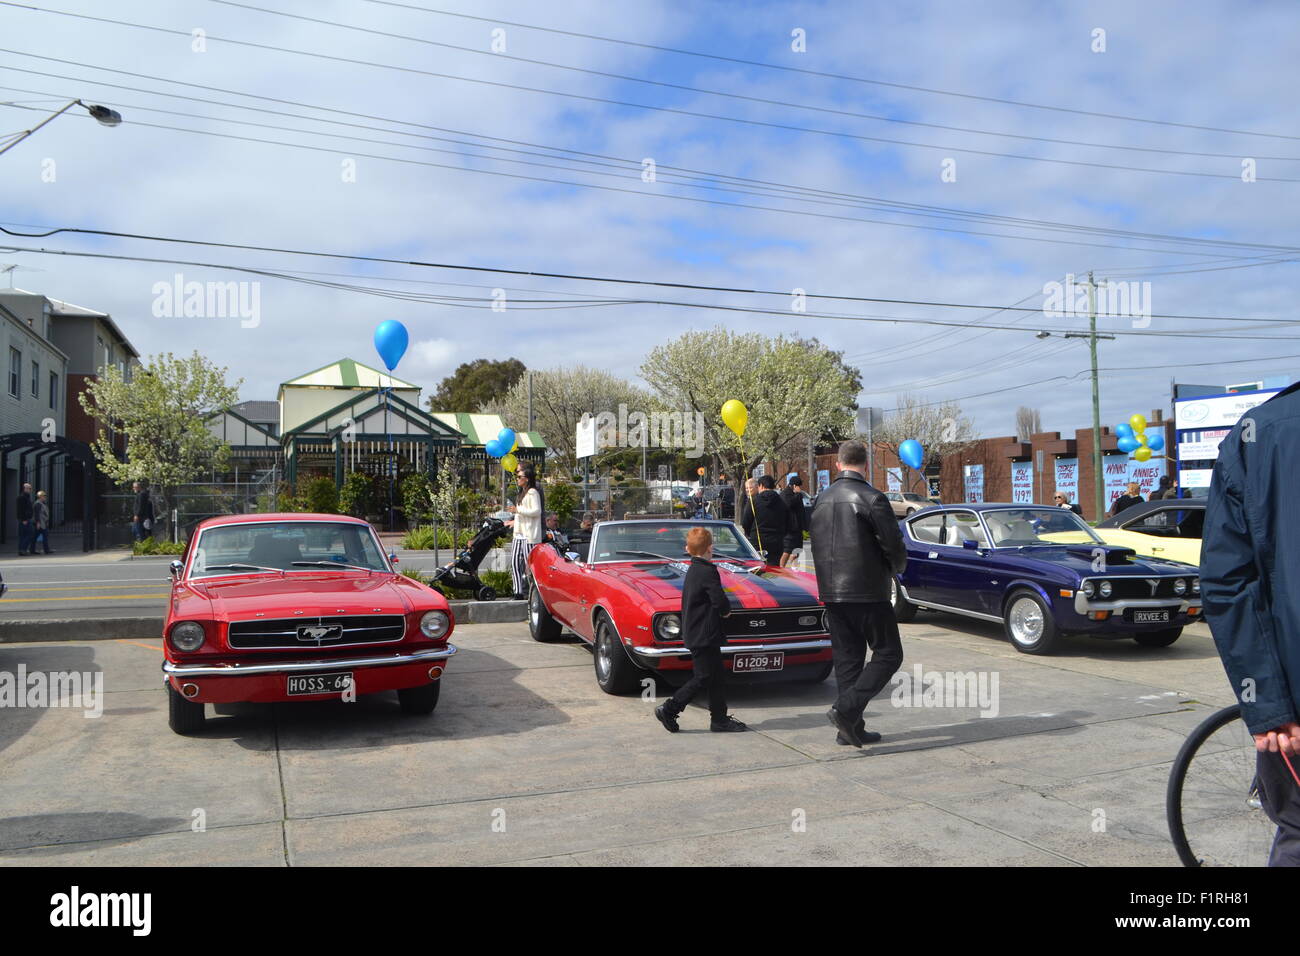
(1250, 588)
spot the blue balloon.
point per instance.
(507, 439)
(493, 448)
(390, 342)
(1128, 443)
(1124, 430)
(1155, 442)
(911, 453)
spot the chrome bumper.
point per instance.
(655, 653)
(302, 667)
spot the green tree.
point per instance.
(163, 412)
(940, 427)
(357, 497)
(561, 397)
(475, 384)
(794, 388)
(417, 499)
(321, 497)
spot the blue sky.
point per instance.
(1207, 65)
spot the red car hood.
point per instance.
(323, 596)
(661, 583)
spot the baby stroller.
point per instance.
(462, 573)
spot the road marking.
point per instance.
(93, 597)
(151, 579)
(150, 647)
(70, 587)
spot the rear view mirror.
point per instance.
(970, 545)
(175, 569)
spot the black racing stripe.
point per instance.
(785, 592)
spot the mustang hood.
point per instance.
(313, 596)
(661, 583)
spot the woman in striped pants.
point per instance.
(528, 527)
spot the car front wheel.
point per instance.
(1159, 638)
(419, 700)
(1029, 624)
(541, 625)
(184, 716)
(614, 672)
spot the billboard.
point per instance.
(893, 479)
(1067, 476)
(1217, 411)
(1115, 468)
(1022, 483)
(974, 483)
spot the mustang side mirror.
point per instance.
(392, 557)
(175, 569)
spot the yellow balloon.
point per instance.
(736, 416)
(1139, 423)
(509, 462)
(515, 446)
(1142, 454)
(1142, 439)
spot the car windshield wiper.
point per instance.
(331, 564)
(242, 567)
(649, 554)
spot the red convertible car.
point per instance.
(285, 607)
(622, 593)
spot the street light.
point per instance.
(102, 114)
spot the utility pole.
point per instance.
(532, 422)
(1092, 336)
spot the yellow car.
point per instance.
(1167, 528)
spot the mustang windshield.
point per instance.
(284, 546)
(1023, 527)
(647, 539)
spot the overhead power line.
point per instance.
(834, 76)
(786, 127)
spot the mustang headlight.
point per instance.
(1105, 589)
(1088, 589)
(434, 625)
(187, 636)
(1180, 587)
(668, 627)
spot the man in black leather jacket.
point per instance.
(857, 548)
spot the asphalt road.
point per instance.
(527, 761)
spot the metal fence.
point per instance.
(174, 516)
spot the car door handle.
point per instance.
(933, 554)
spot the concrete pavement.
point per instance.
(525, 761)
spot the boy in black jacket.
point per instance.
(704, 605)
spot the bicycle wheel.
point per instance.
(1212, 802)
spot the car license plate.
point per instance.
(331, 683)
(753, 663)
(1151, 617)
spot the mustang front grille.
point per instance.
(762, 623)
(337, 631)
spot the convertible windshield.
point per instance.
(1023, 527)
(286, 546)
(651, 540)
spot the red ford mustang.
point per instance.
(283, 607)
(622, 593)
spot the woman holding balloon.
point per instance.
(528, 527)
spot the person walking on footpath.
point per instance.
(24, 510)
(792, 496)
(857, 548)
(528, 527)
(704, 605)
(768, 522)
(142, 519)
(1250, 589)
(41, 523)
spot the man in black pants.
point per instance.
(26, 526)
(857, 548)
(772, 520)
(1250, 588)
(793, 498)
(704, 605)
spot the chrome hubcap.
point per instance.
(1026, 621)
(603, 661)
(535, 612)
